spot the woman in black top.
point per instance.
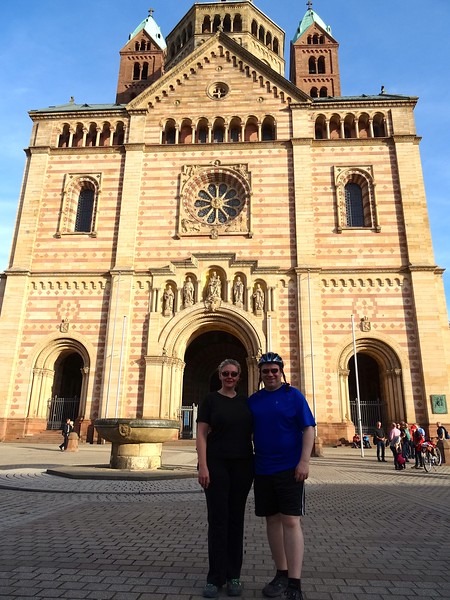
(225, 471)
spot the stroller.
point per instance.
(366, 441)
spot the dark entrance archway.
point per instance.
(203, 356)
(373, 408)
(67, 384)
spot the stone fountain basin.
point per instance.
(137, 431)
(137, 443)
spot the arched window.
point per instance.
(356, 198)
(235, 130)
(323, 92)
(268, 129)
(64, 136)
(85, 211)
(320, 129)
(218, 131)
(261, 34)
(379, 128)
(105, 135)
(364, 126)
(78, 136)
(144, 74)
(269, 39)
(202, 132)
(354, 205)
(335, 127)
(254, 28)
(216, 23)
(237, 24)
(136, 72)
(79, 205)
(251, 130)
(312, 65)
(91, 138)
(321, 64)
(206, 27)
(227, 23)
(169, 135)
(276, 45)
(315, 38)
(314, 93)
(119, 134)
(186, 132)
(349, 126)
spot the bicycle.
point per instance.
(431, 456)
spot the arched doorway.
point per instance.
(202, 357)
(380, 381)
(67, 384)
(373, 408)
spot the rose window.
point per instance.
(217, 203)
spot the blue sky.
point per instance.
(52, 50)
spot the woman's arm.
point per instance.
(203, 472)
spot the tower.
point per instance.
(141, 60)
(314, 57)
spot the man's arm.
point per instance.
(302, 469)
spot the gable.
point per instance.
(130, 46)
(314, 29)
(218, 60)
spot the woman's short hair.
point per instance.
(229, 361)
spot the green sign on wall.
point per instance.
(439, 404)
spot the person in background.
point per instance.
(405, 439)
(441, 432)
(283, 438)
(379, 438)
(394, 441)
(66, 429)
(225, 472)
(419, 438)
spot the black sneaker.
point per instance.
(210, 591)
(276, 587)
(234, 587)
(293, 594)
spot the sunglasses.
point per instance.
(230, 374)
(267, 371)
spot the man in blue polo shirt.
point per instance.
(283, 437)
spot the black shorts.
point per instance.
(279, 493)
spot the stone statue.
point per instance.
(258, 298)
(214, 286)
(188, 292)
(168, 299)
(238, 292)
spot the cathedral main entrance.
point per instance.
(203, 356)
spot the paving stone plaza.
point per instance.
(371, 532)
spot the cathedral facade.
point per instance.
(218, 209)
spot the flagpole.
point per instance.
(312, 354)
(358, 403)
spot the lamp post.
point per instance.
(358, 402)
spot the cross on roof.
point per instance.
(309, 4)
(150, 12)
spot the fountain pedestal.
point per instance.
(136, 443)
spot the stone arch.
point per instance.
(48, 359)
(390, 376)
(167, 369)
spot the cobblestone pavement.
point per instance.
(371, 532)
